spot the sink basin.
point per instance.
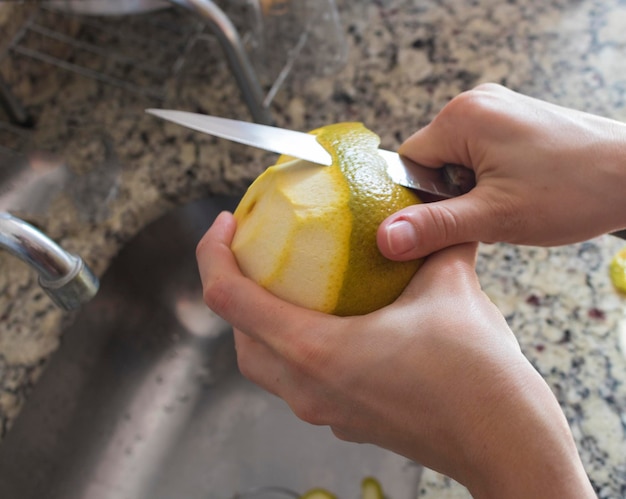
(144, 400)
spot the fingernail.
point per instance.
(401, 237)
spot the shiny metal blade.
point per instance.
(279, 140)
(446, 182)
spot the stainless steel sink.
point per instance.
(144, 399)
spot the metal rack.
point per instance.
(48, 36)
(73, 41)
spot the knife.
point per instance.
(446, 182)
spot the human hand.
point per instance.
(546, 175)
(437, 376)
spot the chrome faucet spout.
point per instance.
(63, 276)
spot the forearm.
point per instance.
(539, 459)
(610, 179)
(593, 176)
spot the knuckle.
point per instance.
(479, 103)
(243, 366)
(201, 246)
(444, 221)
(244, 363)
(313, 370)
(218, 296)
(310, 410)
(342, 434)
(353, 434)
(317, 407)
(245, 369)
(310, 355)
(489, 87)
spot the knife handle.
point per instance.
(461, 177)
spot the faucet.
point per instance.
(63, 276)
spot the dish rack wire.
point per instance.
(50, 37)
(144, 53)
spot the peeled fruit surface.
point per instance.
(307, 233)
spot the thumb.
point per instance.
(422, 229)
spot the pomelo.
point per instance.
(307, 233)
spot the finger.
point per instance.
(258, 363)
(429, 147)
(309, 399)
(422, 229)
(240, 301)
(217, 239)
(450, 137)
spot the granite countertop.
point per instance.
(406, 59)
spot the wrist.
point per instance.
(525, 448)
(611, 173)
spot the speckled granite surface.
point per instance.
(406, 59)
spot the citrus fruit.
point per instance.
(371, 489)
(318, 494)
(307, 233)
(617, 271)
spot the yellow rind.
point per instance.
(372, 281)
(371, 489)
(617, 271)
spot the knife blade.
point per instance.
(445, 182)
